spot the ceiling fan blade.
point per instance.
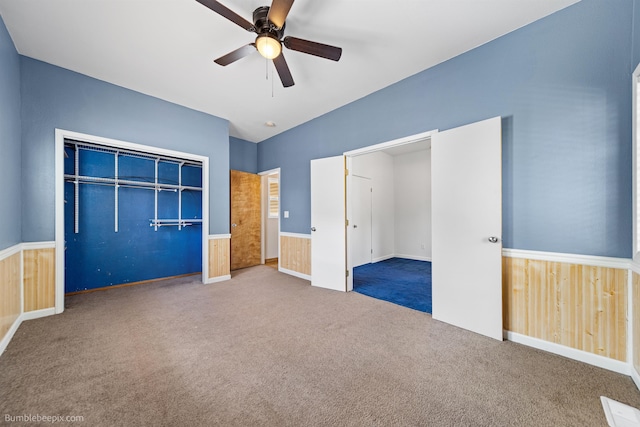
(283, 70)
(278, 12)
(236, 54)
(228, 13)
(313, 48)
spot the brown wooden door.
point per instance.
(245, 219)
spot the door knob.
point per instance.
(234, 225)
(355, 226)
(493, 239)
(313, 229)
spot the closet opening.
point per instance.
(130, 214)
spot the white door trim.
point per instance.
(264, 213)
(60, 136)
(393, 143)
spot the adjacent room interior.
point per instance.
(390, 198)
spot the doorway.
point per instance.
(398, 185)
(466, 221)
(400, 203)
(270, 248)
(246, 221)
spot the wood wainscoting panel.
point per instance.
(10, 291)
(636, 321)
(579, 306)
(295, 254)
(219, 260)
(39, 278)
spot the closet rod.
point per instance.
(106, 184)
(174, 222)
(159, 221)
(184, 224)
(152, 185)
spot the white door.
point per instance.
(467, 227)
(360, 220)
(328, 252)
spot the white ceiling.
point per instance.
(165, 48)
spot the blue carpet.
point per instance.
(401, 281)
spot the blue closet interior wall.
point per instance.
(98, 256)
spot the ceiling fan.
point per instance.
(268, 24)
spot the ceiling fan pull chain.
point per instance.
(272, 80)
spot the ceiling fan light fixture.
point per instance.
(268, 46)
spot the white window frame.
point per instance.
(272, 198)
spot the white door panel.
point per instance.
(466, 213)
(328, 252)
(361, 220)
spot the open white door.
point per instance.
(467, 227)
(328, 251)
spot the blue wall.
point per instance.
(243, 155)
(10, 190)
(562, 86)
(54, 97)
(635, 37)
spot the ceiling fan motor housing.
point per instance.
(264, 26)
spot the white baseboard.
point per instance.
(217, 279)
(295, 273)
(21, 318)
(413, 257)
(635, 376)
(7, 337)
(36, 314)
(571, 353)
(382, 258)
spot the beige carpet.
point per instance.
(267, 349)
